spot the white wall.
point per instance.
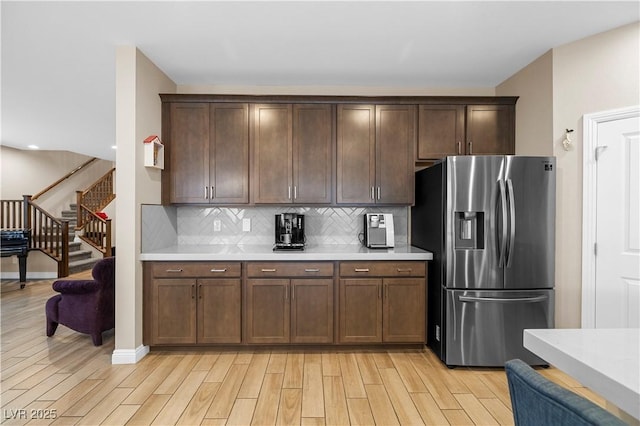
(594, 74)
(534, 112)
(138, 115)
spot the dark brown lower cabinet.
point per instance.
(386, 305)
(200, 303)
(173, 311)
(218, 310)
(312, 310)
(185, 304)
(360, 310)
(267, 311)
(403, 314)
(289, 310)
(188, 311)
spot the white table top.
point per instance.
(263, 252)
(605, 360)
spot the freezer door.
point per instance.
(473, 213)
(531, 193)
(485, 328)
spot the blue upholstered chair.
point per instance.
(538, 401)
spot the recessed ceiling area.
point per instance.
(58, 58)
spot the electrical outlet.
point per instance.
(246, 225)
(217, 225)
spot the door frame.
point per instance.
(590, 124)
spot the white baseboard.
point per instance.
(129, 356)
(30, 275)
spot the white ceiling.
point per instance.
(58, 58)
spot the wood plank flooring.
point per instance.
(66, 380)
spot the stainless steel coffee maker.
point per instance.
(289, 231)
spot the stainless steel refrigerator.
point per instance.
(490, 223)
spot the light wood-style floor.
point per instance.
(70, 381)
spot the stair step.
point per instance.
(74, 246)
(77, 255)
(69, 213)
(82, 265)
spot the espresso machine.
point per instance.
(289, 231)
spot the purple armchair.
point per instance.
(86, 306)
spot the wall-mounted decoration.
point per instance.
(153, 152)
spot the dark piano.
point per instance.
(16, 242)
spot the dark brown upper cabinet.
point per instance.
(293, 155)
(375, 145)
(465, 130)
(209, 153)
(490, 129)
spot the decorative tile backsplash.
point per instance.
(323, 225)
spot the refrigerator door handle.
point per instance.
(503, 227)
(471, 299)
(512, 219)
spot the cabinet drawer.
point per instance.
(290, 269)
(382, 269)
(196, 269)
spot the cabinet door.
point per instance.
(312, 310)
(219, 311)
(490, 129)
(173, 311)
(404, 310)
(360, 310)
(356, 154)
(395, 144)
(189, 175)
(272, 154)
(229, 153)
(440, 131)
(312, 153)
(267, 311)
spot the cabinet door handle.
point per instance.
(470, 148)
(372, 193)
(174, 270)
(378, 193)
(268, 270)
(361, 269)
(404, 269)
(200, 291)
(295, 192)
(206, 192)
(193, 291)
(459, 147)
(213, 192)
(289, 193)
(219, 270)
(312, 270)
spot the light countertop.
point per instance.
(605, 360)
(265, 252)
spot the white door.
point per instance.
(617, 250)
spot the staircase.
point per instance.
(79, 259)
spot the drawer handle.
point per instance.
(174, 270)
(404, 269)
(268, 270)
(219, 270)
(312, 270)
(361, 269)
